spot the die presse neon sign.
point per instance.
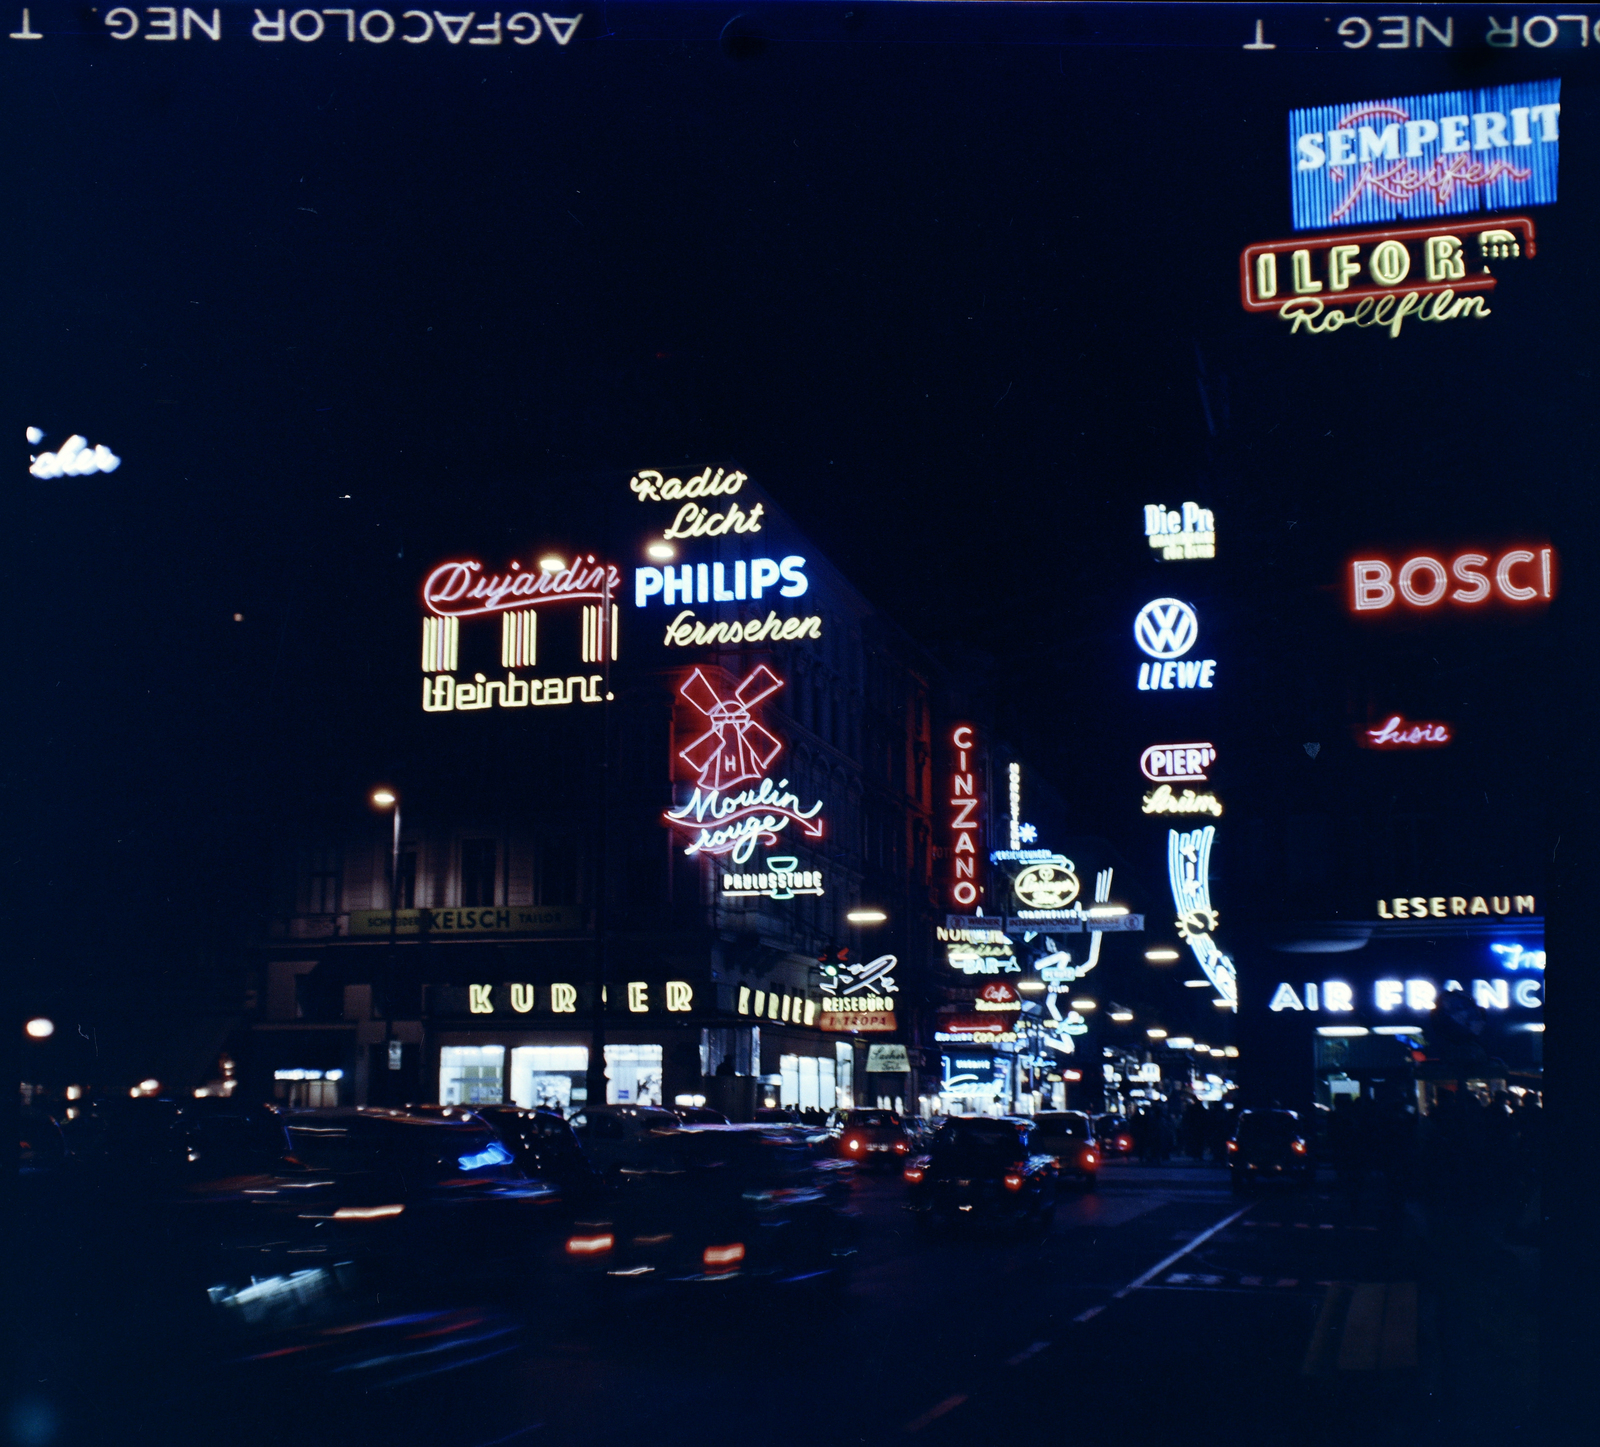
(1520, 576)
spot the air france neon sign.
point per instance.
(964, 822)
(1166, 629)
(1415, 996)
(1519, 576)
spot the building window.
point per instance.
(633, 1075)
(405, 887)
(548, 1076)
(471, 1074)
(558, 873)
(322, 879)
(477, 872)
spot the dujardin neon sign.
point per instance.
(735, 805)
(1520, 576)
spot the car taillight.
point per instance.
(594, 1245)
(1233, 1145)
(1089, 1158)
(723, 1258)
(852, 1144)
(1124, 1143)
(902, 1147)
(914, 1174)
(1013, 1181)
(1298, 1147)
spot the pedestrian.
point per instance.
(1195, 1126)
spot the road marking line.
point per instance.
(1089, 1315)
(1249, 1281)
(934, 1413)
(1287, 1281)
(1161, 1266)
(1326, 1226)
(1027, 1352)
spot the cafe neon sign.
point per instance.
(735, 805)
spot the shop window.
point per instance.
(633, 1075)
(826, 1099)
(471, 1074)
(844, 1066)
(477, 872)
(322, 876)
(809, 1098)
(545, 1075)
(558, 874)
(789, 1080)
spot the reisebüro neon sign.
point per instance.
(1521, 576)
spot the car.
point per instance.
(872, 1138)
(613, 1135)
(545, 1147)
(714, 1206)
(699, 1115)
(982, 1168)
(1115, 1136)
(1270, 1145)
(776, 1115)
(1069, 1136)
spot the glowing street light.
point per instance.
(1161, 956)
(40, 1028)
(1122, 1016)
(386, 798)
(866, 916)
(661, 552)
(1155, 1033)
(1087, 1005)
(551, 564)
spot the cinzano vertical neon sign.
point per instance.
(964, 823)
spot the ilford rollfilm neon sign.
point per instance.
(734, 750)
(1430, 155)
(964, 822)
(1189, 870)
(1521, 576)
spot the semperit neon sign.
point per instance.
(735, 804)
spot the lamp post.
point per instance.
(863, 917)
(385, 798)
(595, 1079)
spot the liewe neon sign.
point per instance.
(1429, 155)
(1520, 576)
(1191, 533)
(1189, 871)
(736, 750)
(1167, 629)
(1396, 733)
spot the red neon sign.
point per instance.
(735, 804)
(964, 823)
(1425, 580)
(462, 589)
(1397, 734)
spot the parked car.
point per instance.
(698, 1115)
(1270, 1145)
(1115, 1136)
(704, 1204)
(545, 1147)
(872, 1138)
(982, 1169)
(776, 1115)
(614, 1135)
(1069, 1136)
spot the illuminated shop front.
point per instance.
(1406, 1009)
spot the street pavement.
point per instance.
(1159, 1307)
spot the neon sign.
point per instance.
(1166, 629)
(721, 582)
(1433, 906)
(1189, 871)
(736, 750)
(1519, 575)
(1418, 996)
(1515, 957)
(1397, 733)
(650, 486)
(1177, 763)
(445, 694)
(964, 823)
(1163, 801)
(74, 458)
(1047, 886)
(685, 632)
(462, 590)
(771, 1005)
(1191, 533)
(1431, 155)
(868, 977)
(782, 879)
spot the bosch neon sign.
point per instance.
(1519, 576)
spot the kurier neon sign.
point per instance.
(1518, 575)
(735, 750)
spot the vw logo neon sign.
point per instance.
(1166, 628)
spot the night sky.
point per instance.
(961, 308)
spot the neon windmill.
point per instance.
(734, 748)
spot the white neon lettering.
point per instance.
(1421, 995)
(1491, 994)
(1526, 994)
(564, 999)
(1464, 567)
(1387, 994)
(1337, 996)
(1502, 575)
(1411, 593)
(763, 574)
(1284, 998)
(1424, 580)
(1372, 587)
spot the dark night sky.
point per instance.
(961, 309)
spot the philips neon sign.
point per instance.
(964, 822)
(1518, 575)
(1166, 629)
(1430, 155)
(1396, 733)
(721, 582)
(735, 750)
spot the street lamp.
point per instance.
(866, 916)
(386, 798)
(40, 1028)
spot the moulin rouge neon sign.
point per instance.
(735, 750)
